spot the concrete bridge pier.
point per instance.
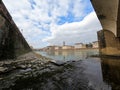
(108, 13)
(108, 43)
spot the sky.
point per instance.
(51, 22)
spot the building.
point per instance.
(89, 45)
(95, 44)
(58, 48)
(63, 43)
(67, 47)
(50, 48)
(79, 46)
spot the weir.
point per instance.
(108, 12)
(12, 42)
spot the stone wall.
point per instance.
(12, 43)
(108, 43)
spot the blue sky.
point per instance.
(50, 22)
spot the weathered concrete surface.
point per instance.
(12, 43)
(108, 43)
(108, 12)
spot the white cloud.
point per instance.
(84, 31)
(38, 20)
(29, 20)
(77, 8)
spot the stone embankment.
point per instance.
(30, 65)
(29, 60)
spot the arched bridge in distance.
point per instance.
(13, 44)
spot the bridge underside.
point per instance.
(108, 12)
(12, 43)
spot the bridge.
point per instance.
(13, 44)
(108, 12)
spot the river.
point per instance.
(79, 71)
(98, 73)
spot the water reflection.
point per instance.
(68, 55)
(101, 73)
(111, 72)
(93, 73)
(84, 74)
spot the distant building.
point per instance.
(58, 48)
(51, 48)
(89, 45)
(95, 44)
(44, 49)
(63, 43)
(66, 47)
(79, 46)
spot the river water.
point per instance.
(97, 73)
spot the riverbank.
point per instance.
(28, 67)
(25, 66)
(29, 60)
(46, 74)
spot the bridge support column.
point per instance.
(108, 43)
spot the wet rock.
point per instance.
(19, 75)
(26, 73)
(57, 63)
(22, 66)
(56, 78)
(3, 69)
(13, 67)
(1, 78)
(29, 65)
(42, 63)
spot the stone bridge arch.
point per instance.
(108, 13)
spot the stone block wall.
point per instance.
(108, 43)
(12, 42)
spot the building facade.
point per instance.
(67, 47)
(95, 44)
(79, 46)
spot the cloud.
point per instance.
(29, 20)
(84, 31)
(38, 20)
